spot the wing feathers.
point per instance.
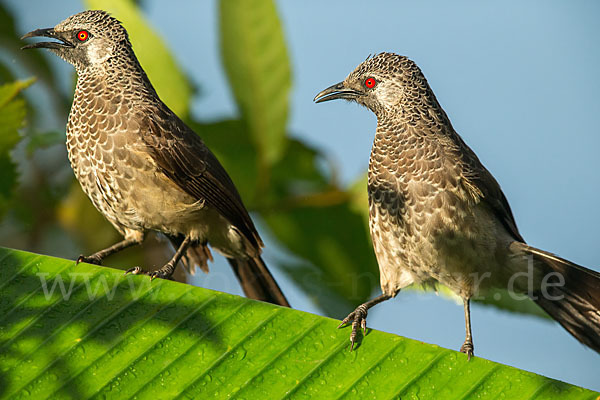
(184, 158)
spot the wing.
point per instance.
(487, 188)
(185, 159)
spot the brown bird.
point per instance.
(143, 167)
(437, 215)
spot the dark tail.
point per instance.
(254, 276)
(576, 304)
(256, 280)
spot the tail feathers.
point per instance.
(252, 273)
(576, 304)
(197, 255)
(256, 280)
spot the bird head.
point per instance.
(85, 39)
(381, 83)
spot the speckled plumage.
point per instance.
(435, 212)
(429, 195)
(143, 167)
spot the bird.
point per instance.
(438, 216)
(142, 167)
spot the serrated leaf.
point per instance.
(12, 118)
(105, 335)
(155, 57)
(257, 65)
(38, 141)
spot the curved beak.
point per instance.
(337, 91)
(50, 33)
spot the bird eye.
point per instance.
(83, 36)
(370, 83)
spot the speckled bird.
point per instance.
(436, 214)
(142, 166)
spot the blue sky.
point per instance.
(519, 81)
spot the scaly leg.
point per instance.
(97, 257)
(359, 317)
(467, 346)
(167, 270)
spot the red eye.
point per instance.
(83, 36)
(370, 83)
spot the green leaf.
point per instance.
(301, 203)
(5, 74)
(230, 142)
(77, 215)
(257, 65)
(38, 141)
(155, 57)
(12, 118)
(105, 335)
(297, 172)
(295, 175)
(11, 42)
(503, 300)
(332, 238)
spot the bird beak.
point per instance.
(50, 33)
(337, 91)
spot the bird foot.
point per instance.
(136, 271)
(163, 273)
(359, 319)
(467, 348)
(93, 259)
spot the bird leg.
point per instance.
(467, 346)
(359, 317)
(97, 257)
(167, 270)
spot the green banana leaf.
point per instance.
(12, 117)
(86, 331)
(255, 59)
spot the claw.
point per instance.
(134, 271)
(467, 348)
(89, 260)
(358, 318)
(345, 321)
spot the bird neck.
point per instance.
(412, 132)
(416, 113)
(119, 74)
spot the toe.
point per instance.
(467, 348)
(89, 260)
(347, 320)
(134, 271)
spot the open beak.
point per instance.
(49, 33)
(337, 91)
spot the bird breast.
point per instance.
(111, 162)
(422, 218)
